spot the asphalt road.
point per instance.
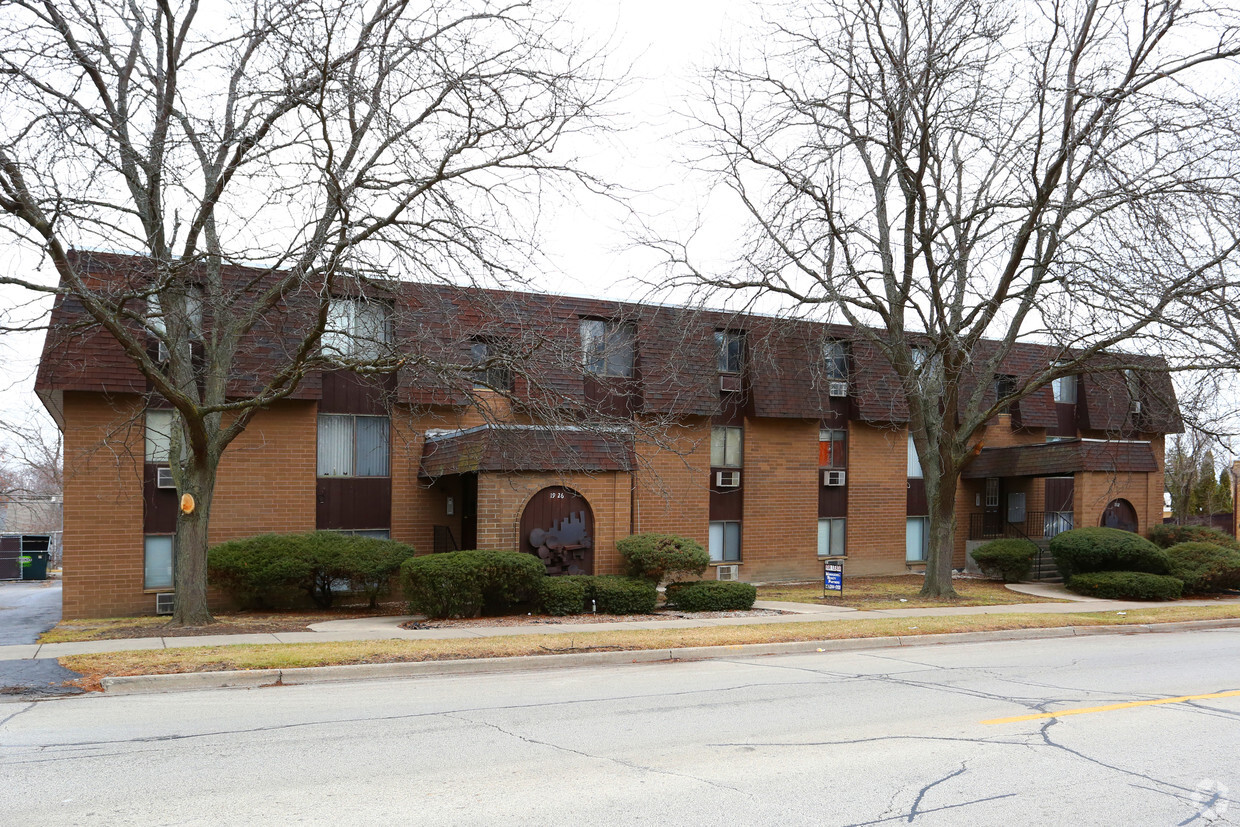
(27, 610)
(877, 737)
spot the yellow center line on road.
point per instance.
(1110, 707)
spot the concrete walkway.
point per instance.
(388, 628)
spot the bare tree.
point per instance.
(953, 178)
(264, 159)
(32, 453)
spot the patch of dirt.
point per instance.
(548, 620)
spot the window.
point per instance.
(607, 347)
(489, 368)
(157, 565)
(831, 537)
(725, 447)
(832, 448)
(1064, 389)
(992, 492)
(835, 358)
(914, 462)
(376, 533)
(353, 446)
(1004, 386)
(357, 329)
(917, 539)
(155, 317)
(729, 345)
(725, 542)
(158, 435)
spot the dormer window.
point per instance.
(607, 347)
(357, 329)
(1004, 386)
(835, 361)
(156, 317)
(730, 348)
(1064, 389)
(490, 371)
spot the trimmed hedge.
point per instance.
(1010, 559)
(1205, 567)
(471, 583)
(1166, 536)
(656, 556)
(268, 570)
(711, 596)
(1126, 585)
(564, 595)
(616, 595)
(1084, 550)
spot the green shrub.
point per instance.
(1010, 559)
(1166, 536)
(711, 596)
(471, 583)
(654, 557)
(615, 595)
(1130, 585)
(564, 595)
(1205, 567)
(1084, 550)
(266, 571)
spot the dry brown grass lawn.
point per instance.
(888, 592)
(237, 623)
(289, 656)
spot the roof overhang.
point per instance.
(518, 448)
(1063, 458)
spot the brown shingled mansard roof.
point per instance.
(513, 448)
(1062, 458)
(675, 370)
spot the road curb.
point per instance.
(252, 679)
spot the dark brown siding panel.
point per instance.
(832, 500)
(160, 511)
(727, 503)
(1059, 491)
(1065, 414)
(344, 392)
(916, 499)
(353, 503)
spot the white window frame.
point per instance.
(351, 472)
(349, 334)
(914, 461)
(727, 446)
(717, 541)
(832, 536)
(835, 360)
(158, 428)
(159, 584)
(608, 348)
(723, 341)
(1064, 389)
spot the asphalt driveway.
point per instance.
(27, 610)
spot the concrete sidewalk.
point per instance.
(388, 628)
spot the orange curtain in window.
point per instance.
(824, 454)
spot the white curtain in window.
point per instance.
(158, 435)
(915, 539)
(371, 330)
(914, 462)
(335, 339)
(336, 446)
(620, 350)
(831, 537)
(372, 446)
(158, 567)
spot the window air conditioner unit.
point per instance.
(729, 382)
(164, 603)
(834, 479)
(728, 479)
(727, 572)
(163, 478)
(839, 390)
(1136, 407)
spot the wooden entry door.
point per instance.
(993, 523)
(469, 511)
(1120, 514)
(558, 526)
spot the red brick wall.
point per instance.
(779, 532)
(672, 491)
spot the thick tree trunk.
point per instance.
(942, 538)
(190, 547)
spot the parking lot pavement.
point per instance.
(27, 610)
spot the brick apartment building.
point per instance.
(571, 423)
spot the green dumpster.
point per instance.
(34, 565)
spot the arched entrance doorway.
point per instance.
(558, 526)
(1120, 514)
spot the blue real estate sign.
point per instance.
(832, 577)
